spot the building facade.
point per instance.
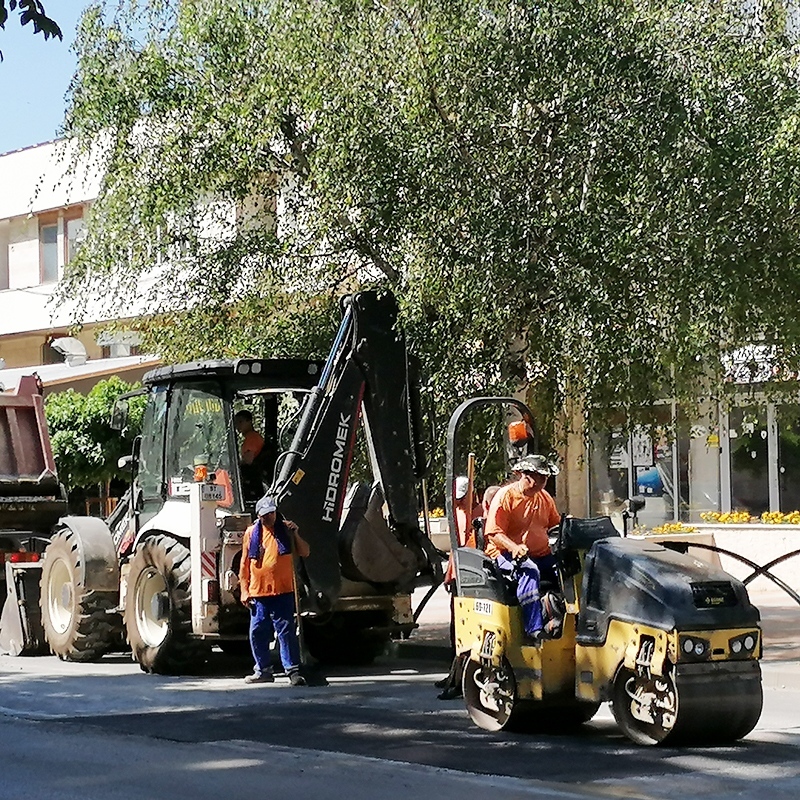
(44, 197)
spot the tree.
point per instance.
(30, 11)
(85, 448)
(596, 198)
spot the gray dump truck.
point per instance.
(31, 502)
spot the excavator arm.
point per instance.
(368, 376)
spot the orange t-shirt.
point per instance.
(272, 574)
(525, 520)
(466, 533)
(252, 445)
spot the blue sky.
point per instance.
(35, 74)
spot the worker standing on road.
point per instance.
(465, 519)
(266, 578)
(516, 532)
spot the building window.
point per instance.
(73, 227)
(48, 247)
(120, 350)
(673, 462)
(750, 455)
(4, 276)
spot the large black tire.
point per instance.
(158, 609)
(78, 623)
(351, 638)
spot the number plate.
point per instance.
(483, 607)
(488, 644)
(212, 492)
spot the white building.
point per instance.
(43, 202)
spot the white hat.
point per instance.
(462, 486)
(536, 463)
(266, 505)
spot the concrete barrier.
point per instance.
(440, 533)
(758, 542)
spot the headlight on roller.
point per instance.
(743, 645)
(693, 648)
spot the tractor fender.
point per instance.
(97, 555)
(173, 519)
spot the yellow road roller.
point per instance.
(672, 642)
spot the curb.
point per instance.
(776, 675)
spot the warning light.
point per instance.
(518, 431)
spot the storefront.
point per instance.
(746, 458)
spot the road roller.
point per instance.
(671, 642)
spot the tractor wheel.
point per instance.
(236, 648)
(158, 608)
(79, 624)
(490, 694)
(350, 639)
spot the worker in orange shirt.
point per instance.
(519, 518)
(465, 518)
(250, 456)
(252, 441)
(266, 578)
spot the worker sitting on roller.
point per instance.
(516, 532)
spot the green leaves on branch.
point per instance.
(598, 199)
(85, 448)
(30, 11)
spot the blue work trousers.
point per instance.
(271, 616)
(528, 575)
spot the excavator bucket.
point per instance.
(21, 632)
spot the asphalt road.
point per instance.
(108, 731)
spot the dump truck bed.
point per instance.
(31, 499)
(31, 502)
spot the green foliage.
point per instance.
(30, 11)
(595, 198)
(85, 447)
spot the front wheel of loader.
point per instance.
(352, 638)
(158, 608)
(78, 623)
(490, 694)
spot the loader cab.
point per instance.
(188, 430)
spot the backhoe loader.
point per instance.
(162, 571)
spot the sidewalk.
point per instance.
(780, 623)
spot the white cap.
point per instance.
(266, 505)
(462, 487)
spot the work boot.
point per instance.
(553, 608)
(450, 693)
(260, 677)
(533, 639)
(296, 679)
